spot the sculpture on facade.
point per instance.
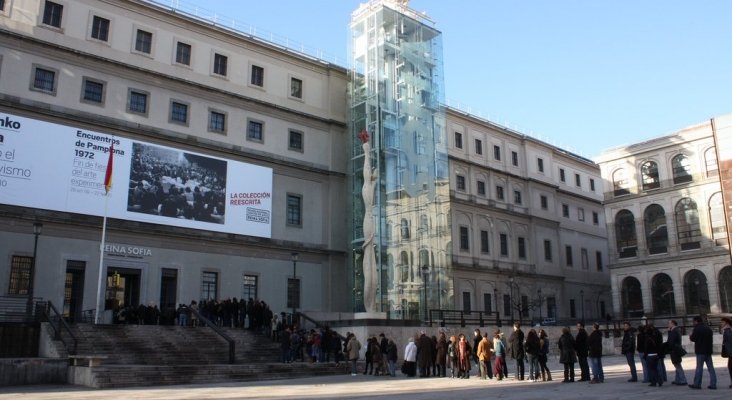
(369, 251)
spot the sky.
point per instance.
(584, 75)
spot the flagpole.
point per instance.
(107, 189)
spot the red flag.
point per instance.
(108, 174)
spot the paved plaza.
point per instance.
(369, 387)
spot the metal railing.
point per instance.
(17, 309)
(463, 318)
(208, 323)
(58, 323)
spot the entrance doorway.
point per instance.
(168, 294)
(123, 288)
(74, 290)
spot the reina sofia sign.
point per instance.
(126, 251)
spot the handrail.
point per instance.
(232, 344)
(57, 328)
(442, 316)
(319, 325)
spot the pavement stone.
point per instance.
(368, 387)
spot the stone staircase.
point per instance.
(150, 355)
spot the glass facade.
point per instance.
(403, 231)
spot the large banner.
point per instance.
(58, 167)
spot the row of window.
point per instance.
(143, 43)
(681, 172)
(93, 91)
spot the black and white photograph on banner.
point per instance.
(176, 184)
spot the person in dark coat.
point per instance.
(628, 350)
(516, 348)
(391, 357)
(285, 345)
(727, 344)
(477, 338)
(567, 355)
(641, 347)
(441, 356)
(702, 338)
(652, 349)
(581, 347)
(594, 346)
(676, 351)
(424, 355)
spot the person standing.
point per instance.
(567, 355)
(531, 348)
(727, 344)
(652, 347)
(465, 353)
(452, 356)
(594, 344)
(580, 346)
(410, 358)
(546, 374)
(424, 355)
(499, 349)
(353, 349)
(369, 358)
(483, 352)
(628, 350)
(477, 338)
(676, 351)
(285, 345)
(391, 357)
(516, 348)
(702, 338)
(641, 347)
(441, 355)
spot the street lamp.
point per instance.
(295, 285)
(582, 302)
(540, 305)
(37, 228)
(424, 284)
(510, 299)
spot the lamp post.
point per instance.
(295, 285)
(424, 285)
(582, 301)
(37, 228)
(540, 301)
(510, 298)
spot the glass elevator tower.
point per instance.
(396, 96)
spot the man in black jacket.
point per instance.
(628, 349)
(673, 344)
(516, 348)
(594, 344)
(702, 338)
(580, 346)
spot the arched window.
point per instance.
(627, 241)
(696, 292)
(388, 231)
(687, 224)
(424, 225)
(405, 229)
(656, 233)
(710, 161)
(632, 297)
(424, 259)
(620, 183)
(725, 289)
(681, 169)
(649, 175)
(662, 289)
(404, 265)
(716, 219)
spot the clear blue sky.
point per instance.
(585, 75)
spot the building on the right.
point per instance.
(668, 237)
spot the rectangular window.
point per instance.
(295, 140)
(572, 309)
(540, 164)
(183, 53)
(2, 5)
(44, 80)
(93, 91)
(565, 210)
(484, 243)
(220, 64)
(138, 102)
(294, 210)
(499, 192)
(478, 147)
(506, 305)
(20, 267)
(504, 244)
(481, 188)
(521, 248)
(544, 202)
(209, 285)
(548, 250)
(595, 218)
(497, 153)
(100, 28)
(585, 260)
(580, 214)
(143, 41)
(249, 287)
(466, 302)
(514, 158)
(577, 180)
(255, 131)
(551, 307)
(487, 303)
(296, 88)
(293, 293)
(525, 306)
(464, 239)
(517, 197)
(561, 175)
(52, 14)
(598, 260)
(460, 183)
(592, 184)
(217, 122)
(257, 78)
(179, 112)
(458, 140)
(568, 255)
